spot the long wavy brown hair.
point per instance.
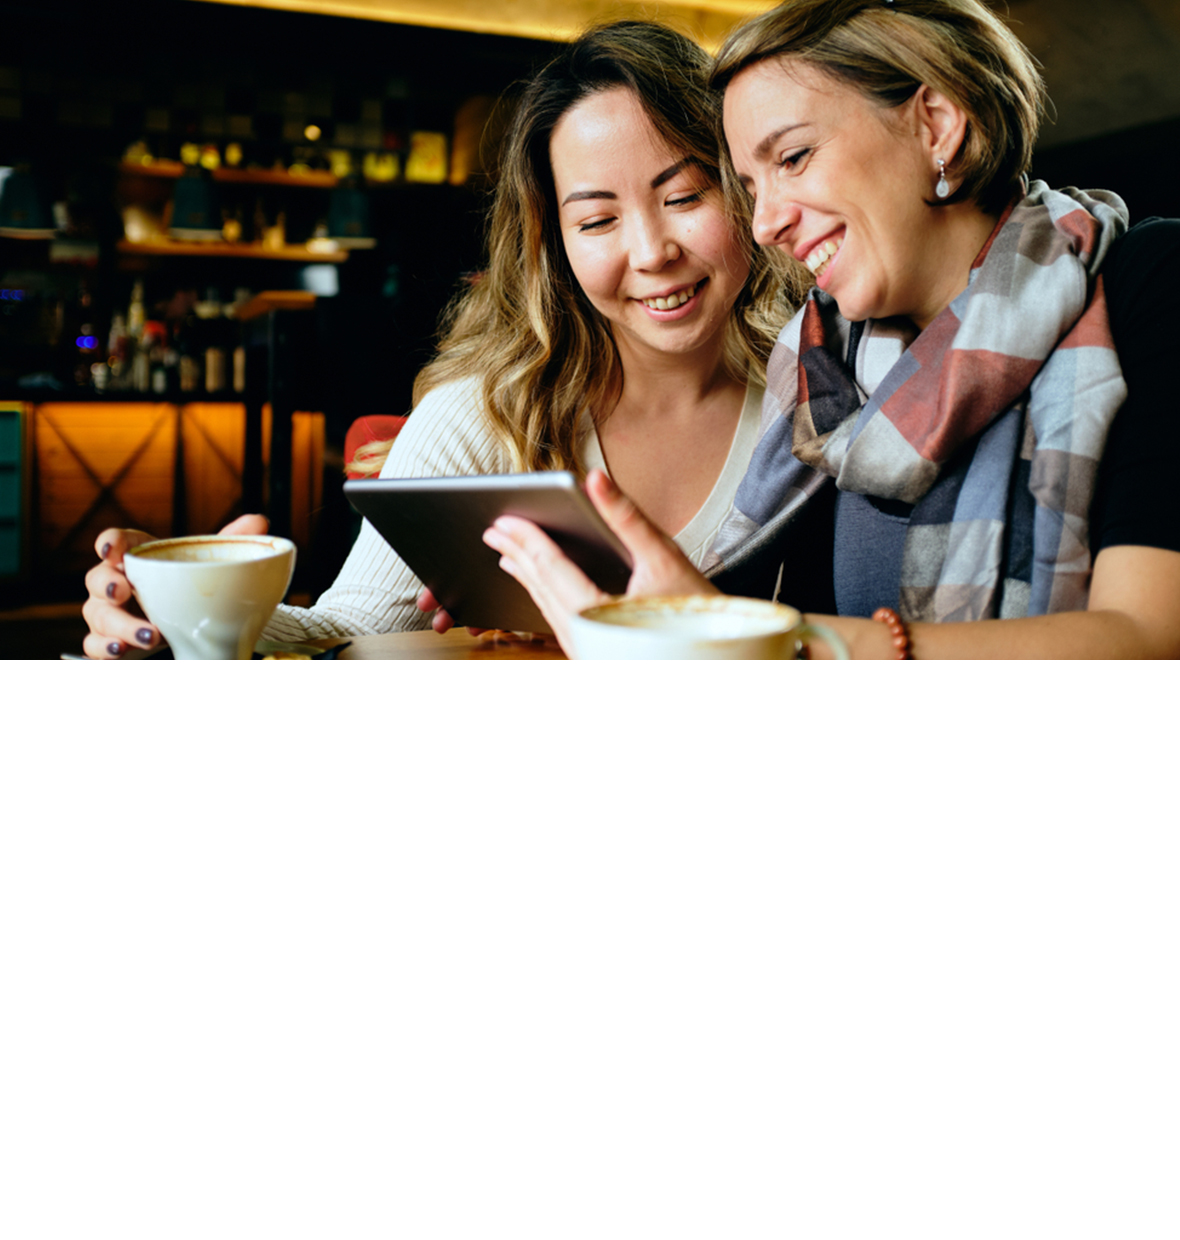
(543, 354)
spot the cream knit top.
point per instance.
(446, 437)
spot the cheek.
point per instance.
(733, 258)
(586, 266)
(717, 242)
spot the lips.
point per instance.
(673, 300)
(817, 257)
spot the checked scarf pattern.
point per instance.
(991, 422)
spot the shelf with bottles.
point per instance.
(187, 348)
(196, 207)
(311, 166)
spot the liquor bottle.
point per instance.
(241, 297)
(141, 366)
(188, 368)
(155, 334)
(209, 311)
(118, 352)
(135, 312)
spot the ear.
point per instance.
(940, 122)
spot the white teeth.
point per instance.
(821, 254)
(670, 303)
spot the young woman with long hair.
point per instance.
(623, 322)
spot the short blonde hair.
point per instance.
(887, 49)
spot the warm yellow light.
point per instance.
(427, 160)
(312, 133)
(708, 21)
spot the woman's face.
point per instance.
(840, 184)
(644, 230)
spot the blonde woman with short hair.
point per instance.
(956, 460)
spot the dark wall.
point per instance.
(1141, 165)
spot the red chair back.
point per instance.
(371, 428)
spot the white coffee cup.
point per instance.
(211, 594)
(695, 626)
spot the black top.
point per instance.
(1137, 498)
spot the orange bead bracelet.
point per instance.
(897, 626)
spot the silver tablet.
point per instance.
(436, 526)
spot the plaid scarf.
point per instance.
(991, 422)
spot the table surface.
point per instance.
(457, 644)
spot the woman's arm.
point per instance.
(1134, 609)
(375, 591)
(1134, 613)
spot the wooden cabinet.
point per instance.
(161, 467)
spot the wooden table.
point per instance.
(457, 644)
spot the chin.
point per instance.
(856, 311)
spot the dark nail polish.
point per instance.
(115, 648)
(111, 590)
(146, 636)
(106, 550)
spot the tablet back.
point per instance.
(436, 526)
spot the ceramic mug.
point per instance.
(695, 626)
(211, 595)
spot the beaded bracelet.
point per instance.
(901, 635)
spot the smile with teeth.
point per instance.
(672, 300)
(822, 255)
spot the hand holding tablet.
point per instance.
(436, 525)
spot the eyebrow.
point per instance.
(763, 147)
(582, 195)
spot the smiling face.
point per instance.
(644, 230)
(841, 184)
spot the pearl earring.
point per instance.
(942, 189)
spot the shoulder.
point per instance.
(447, 434)
(456, 397)
(1140, 274)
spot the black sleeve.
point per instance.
(1137, 496)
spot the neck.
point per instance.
(960, 232)
(672, 378)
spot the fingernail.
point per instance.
(115, 648)
(111, 590)
(106, 550)
(145, 636)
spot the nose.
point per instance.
(775, 214)
(652, 245)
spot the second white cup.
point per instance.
(695, 626)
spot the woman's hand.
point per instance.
(115, 620)
(442, 622)
(560, 589)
